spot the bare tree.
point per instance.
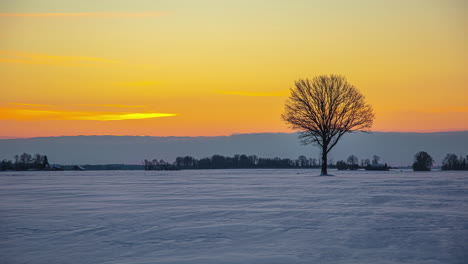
(353, 162)
(422, 161)
(375, 159)
(303, 161)
(313, 162)
(324, 109)
(367, 162)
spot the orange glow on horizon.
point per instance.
(219, 68)
(19, 114)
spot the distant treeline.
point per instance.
(236, 162)
(352, 163)
(106, 167)
(252, 161)
(452, 162)
(423, 161)
(243, 162)
(25, 161)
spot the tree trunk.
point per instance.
(324, 161)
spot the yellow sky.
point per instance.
(191, 68)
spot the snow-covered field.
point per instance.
(233, 216)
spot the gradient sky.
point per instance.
(204, 68)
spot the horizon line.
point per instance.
(226, 135)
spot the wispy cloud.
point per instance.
(34, 58)
(128, 116)
(243, 93)
(34, 105)
(86, 14)
(141, 83)
(96, 105)
(113, 105)
(41, 114)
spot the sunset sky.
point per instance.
(205, 68)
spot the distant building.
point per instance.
(53, 167)
(78, 168)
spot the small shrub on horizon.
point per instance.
(422, 161)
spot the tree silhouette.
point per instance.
(450, 162)
(341, 165)
(45, 162)
(375, 159)
(365, 162)
(25, 161)
(422, 161)
(324, 109)
(353, 162)
(302, 161)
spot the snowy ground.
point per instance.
(233, 216)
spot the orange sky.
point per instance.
(203, 68)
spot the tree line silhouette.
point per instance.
(238, 161)
(25, 161)
(422, 162)
(352, 163)
(243, 161)
(452, 162)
